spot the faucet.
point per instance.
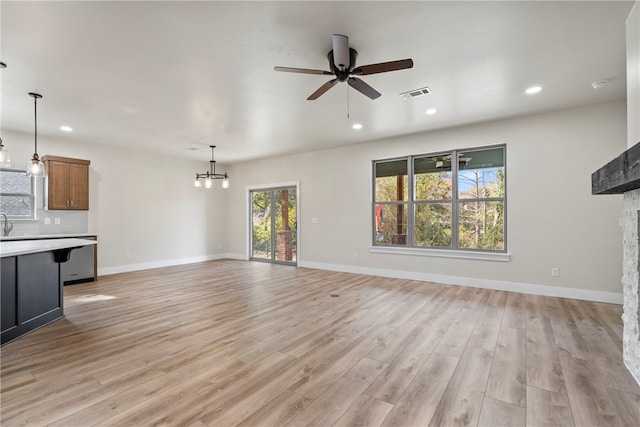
(7, 225)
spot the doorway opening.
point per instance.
(274, 224)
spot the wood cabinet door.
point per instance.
(78, 186)
(58, 176)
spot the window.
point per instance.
(431, 201)
(16, 194)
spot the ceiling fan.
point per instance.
(342, 63)
(439, 161)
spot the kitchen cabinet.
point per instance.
(32, 283)
(67, 185)
(8, 295)
(31, 294)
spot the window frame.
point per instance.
(31, 196)
(454, 251)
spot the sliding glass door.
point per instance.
(274, 221)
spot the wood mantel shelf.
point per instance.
(620, 175)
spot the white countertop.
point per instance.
(22, 247)
(44, 236)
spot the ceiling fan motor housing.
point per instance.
(343, 75)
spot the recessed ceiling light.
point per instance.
(65, 128)
(431, 111)
(533, 89)
(599, 84)
(357, 126)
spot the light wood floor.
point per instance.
(228, 343)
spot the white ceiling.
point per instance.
(170, 76)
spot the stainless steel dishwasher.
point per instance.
(81, 265)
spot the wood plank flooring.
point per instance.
(227, 343)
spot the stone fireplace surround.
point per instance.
(622, 176)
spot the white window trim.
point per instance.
(438, 252)
(32, 196)
(442, 253)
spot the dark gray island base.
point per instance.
(31, 290)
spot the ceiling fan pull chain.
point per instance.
(348, 106)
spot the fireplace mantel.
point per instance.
(620, 175)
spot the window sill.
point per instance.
(442, 253)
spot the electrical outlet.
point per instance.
(555, 272)
(127, 255)
(47, 221)
(314, 220)
(355, 255)
(56, 221)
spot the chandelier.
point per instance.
(211, 174)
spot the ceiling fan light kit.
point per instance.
(342, 63)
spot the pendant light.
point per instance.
(210, 175)
(35, 167)
(5, 161)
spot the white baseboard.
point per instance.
(241, 257)
(525, 288)
(106, 271)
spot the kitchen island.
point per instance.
(82, 266)
(31, 283)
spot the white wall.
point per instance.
(140, 203)
(553, 220)
(633, 76)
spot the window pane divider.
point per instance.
(455, 226)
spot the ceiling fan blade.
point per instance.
(322, 89)
(341, 51)
(383, 67)
(363, 88)
(302, 70)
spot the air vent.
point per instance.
(415, 93)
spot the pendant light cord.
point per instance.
(35, 115)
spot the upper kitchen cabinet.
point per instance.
(67, 185)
